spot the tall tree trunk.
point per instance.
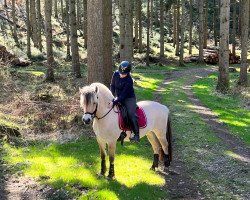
(33, 22)
(161, 30)
(152, 17)
(129, 30)
(68, 56)
(5, 4)
(62, 11)
(140, 25)
(85, 11)
(177, 49)
(14, 22)
(100, 41)
(223, 78)
(39, 25)
(181, 62)
(190, 26)
(56, 9)
(48, 31)
(175, 24)
(244, 42)
(233, 2)
(148, 30)
(215, 19)
(122, 29)
(205, 24)
(78, 14)
(73, 38)
(28, 28)
(201, 40)
(136, 24)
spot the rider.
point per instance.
(122, 88)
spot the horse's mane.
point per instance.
(102, 88)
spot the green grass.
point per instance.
(228, 108)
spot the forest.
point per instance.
(192, 56)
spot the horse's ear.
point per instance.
(96, 89)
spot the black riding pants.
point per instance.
(130, 104)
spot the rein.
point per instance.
(94, 113)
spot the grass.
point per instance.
(229, 109)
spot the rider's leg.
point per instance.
(130, 104)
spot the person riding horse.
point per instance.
(122, 88)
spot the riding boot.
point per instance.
(135, 129)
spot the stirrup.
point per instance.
(135, 138)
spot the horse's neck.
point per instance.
(104, 99)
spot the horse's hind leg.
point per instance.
(156, 148)
(102, 147)
(112, 148)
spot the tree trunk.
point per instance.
(39, 25)
(201, 40)
(223, 78)
(55, 9)
(215, 19)
(68, 57)
(73, 38)
(129, 30)
(177, 49)
(152, 17)
(140, 25)
(78, 14)
(136, 24)
(190, 26)
(244, 41)
(5, 4)
(85, 11)
(14, 22)
(148, 30)
(205, 24)
(122, 29)
(100, 41)
(62, 11)
(233, 2)
(181, 62)
(28, 28)
(48, 31)
(33, 22)
(175, 24)
(161, 30)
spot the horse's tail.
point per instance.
(169, 138)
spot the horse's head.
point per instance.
(88, 102)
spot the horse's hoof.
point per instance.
(111, 178)
(100, 175)
(152, 168)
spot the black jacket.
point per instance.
(122, 88)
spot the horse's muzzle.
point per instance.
(86, 119)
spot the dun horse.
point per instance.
(94, 101)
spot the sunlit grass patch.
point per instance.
(229, 108)
(65, 165)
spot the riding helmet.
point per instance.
(125, 67)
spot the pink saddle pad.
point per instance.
(142, 120)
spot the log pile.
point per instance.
(211, 56)
(8, 58)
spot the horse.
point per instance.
(94, 101)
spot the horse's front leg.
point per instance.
(102, 147)
(112, 148)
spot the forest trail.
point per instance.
(180, 183)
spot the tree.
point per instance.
(122, 29)
(33, 22)
(68, 56)
(190, 26)
(244, 42)
(181, 62)
(201, 39)
(140, 25)
(48, 31)
(85, 29)
(128, 30)
(55, 9)
(205, 24)
(28, 28)
(233, 2)
(223, 78)
(73, 38)
(99, 41)
(177, 49)
(136, 24)
(14, 22)
(161, 30)
(39, 24)
(174, 25)
(148, 30)
(215, 19)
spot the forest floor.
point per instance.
(180, 185)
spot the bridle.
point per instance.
(93, 114)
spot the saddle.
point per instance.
(124, 122)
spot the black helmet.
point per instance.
(124, 67)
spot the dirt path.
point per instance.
(180, 185)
